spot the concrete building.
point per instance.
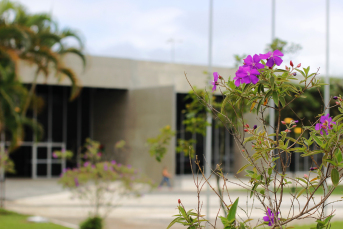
(122, 99)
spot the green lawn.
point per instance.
(9, 220)
(334, 225)
(338, 190)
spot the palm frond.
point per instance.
(75, 87)
(71, 33)
(76, 52)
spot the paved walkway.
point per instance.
(152, 211)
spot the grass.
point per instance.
(14, 220)
(338, 190)
(334, 225)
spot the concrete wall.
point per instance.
(149, 110)
(119, 73)
(240, 161)
(135, 116)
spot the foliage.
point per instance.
(12, 97)
(283, 46)
(92, 223)
(267, 182)
(36, 39)
(63, 154)
(6, 163)
(102, 183)
(158, 145)
(185, 218)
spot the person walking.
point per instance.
(165, 178)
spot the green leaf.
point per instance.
(259, 105)
(276, 98)
(301, 192)
(270, 171)
(184, 214)
(272, 79)
(338, 155)
(225, 221)
(282, 100)
(317, 140)
(232, 212)
(173, 222)
(244, 167)
(334, 177)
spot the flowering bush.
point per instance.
(102, 183)
(256, 82)
(6, 164)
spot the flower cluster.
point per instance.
(249, 130)
(325, 124)
(269, 218)
(289, 124)
(249, 71)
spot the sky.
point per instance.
(140, 29)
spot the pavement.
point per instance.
(154, 210)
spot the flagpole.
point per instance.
(208, 144)
(327, 86)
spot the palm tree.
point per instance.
(37, 39)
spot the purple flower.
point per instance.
(129, 166)
(76, 182)
(214, 82)
(272, 58)
(313, 168)
(113, 162)
(255, 126)
(54, 155)
(335, 97)
(294, 73)
(245, 74)
(326, 124)
(105, 167)
(269, 218)
(86, 164)
(253, 62)
(93, 166)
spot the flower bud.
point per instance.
(313, 168)
(294, 73)
(335, 97)
(246, 130)
(299, 65)
(294, 126)
(246, 125)
(243, 150)
(283, 122)
(291, 63)
(288, 131)
(337, 103)
(220, 77)
(286, 67)
(179, 201)
(306, 176)
(255, 126)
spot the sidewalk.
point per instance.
(153, 210)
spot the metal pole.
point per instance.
(271, 102)
(327, 86)
(209, 119)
